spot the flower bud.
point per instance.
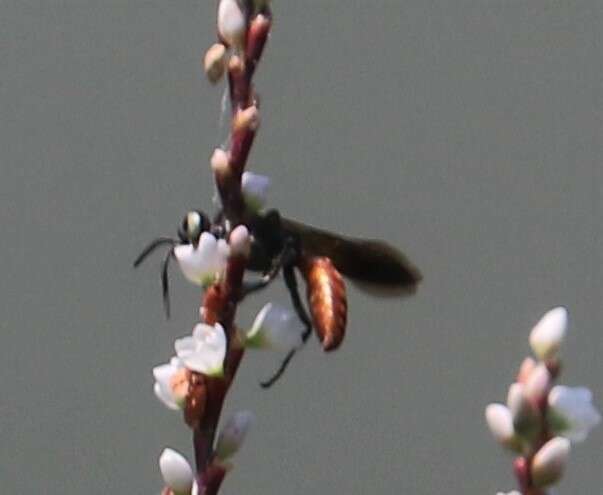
(526, 419)
(233, 434)
(247, 119)
(548, 334)
(525, 370)
(550, 461)
(240, 241)
(214, 62)
(232, 23)
(176, 472)
(220, 161)
(538, 384)
(500, 422)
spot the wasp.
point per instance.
(321, 258)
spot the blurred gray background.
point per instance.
(468, 133)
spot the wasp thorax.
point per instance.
(193, 225)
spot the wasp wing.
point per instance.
(373, 265)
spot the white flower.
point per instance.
(204, 351)
(548, 334)
(206, 262)
(275, 327)
(233, 434)
(170, 383)
(255, 189)
(549, 462)
(176, 472)
(571, 412)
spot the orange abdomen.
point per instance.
(326, 299)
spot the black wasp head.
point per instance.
(193, 224)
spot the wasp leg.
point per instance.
(291, 283)
(165, 288)
(250, 287)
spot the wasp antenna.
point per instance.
(165, 282)
(160, 241)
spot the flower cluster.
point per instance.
(541, 420)
(176, 471)
(204, 352)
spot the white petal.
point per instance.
(190, 263)
(548, 334)
(255, 189)
(233, 434)
(203, 352)
(183, 346)
(201, 265)
(162, 388)
(165, 397)
(276, 327)
(176, 472)
(573, 405)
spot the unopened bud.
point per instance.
(247, 119)
(233, 434)
(538, 384)
(525, 417)
(500, 422)
(548, 334)
(550, 461)
(232, 23)
(525, 370)
(220, 162)
(214, 62)
(240, 242)
(176, 472)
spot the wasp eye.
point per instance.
(193, 225)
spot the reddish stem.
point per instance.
(220, 300)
